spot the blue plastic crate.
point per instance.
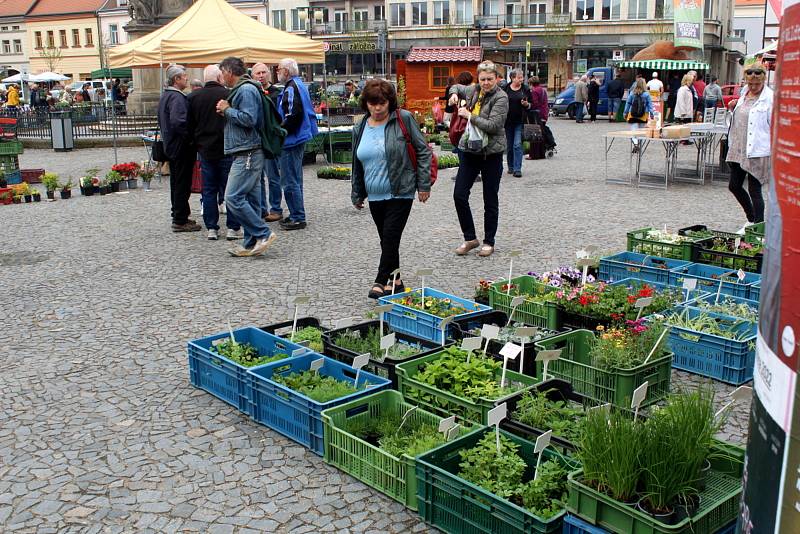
(294, 415)
(224, 378)
(575, 525)
(640, 266)
(755, 292)
(711, 298)
(635, 282)
(426, 325)
(13, 177)
(708, 279)
(728, 360)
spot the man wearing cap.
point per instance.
(655, 87)
(271, 210)
(173, 114)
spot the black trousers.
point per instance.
(593, 109)
(180, 185)
(491, 169)
(390, 218)
(752, 200)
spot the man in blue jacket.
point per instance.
(244, 114)
(173, 114)
(300, 123)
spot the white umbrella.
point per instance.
(48, 77)
(13, 79)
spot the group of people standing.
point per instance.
(234, 122)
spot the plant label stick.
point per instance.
(316, 365)
(689, 284)
(642, 303)
(657, 344)
(380, 310)
(304, 343)
(606, 407)
(584, 264)
(230, 332)
(217, 342)
(546, 356)
(513, 254)
(740, 393)
(395, 274)
(300, 351)
(516, 302)
(489, 332)
(541, 444)
(405, 417)
(470, 344)
(524, 333)
(422, 273)
(387, 342)
(638, 397)
(298, 301)
(452, 432)
(443, 325)
(740, 274)
(446, 424)
(344, 322)
(358, 362)
(736, 243)
(493, 418)
(510, 351)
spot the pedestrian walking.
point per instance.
(684, 104)
(749, 143)
(300, 123)
(518, 105)
(385, 174)
(244, 123)
(271, 191)
(173, 113)
(593, 91)
(85, 92)
(713, 94)
(206, 127)
(698, 88)
(581, 96)
(486, 107)
(616, 90)
(638, 109)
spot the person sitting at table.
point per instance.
(638, 108)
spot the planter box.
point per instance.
(529, 366)
(224, 378)
(711, 298)
(754, 292)
(284, 328)
(293, 414)
(11, 148)
(719, 502)
(702, 253)
(727, 360)
(32, 176)
(425, 325)
(575, 525)
(641, 266)
(453, 505)
(392, 475)
(444, 403)
(532, 313)
(709, 278)
(755, 233)
(639, 242)
(602, 386)
(10, 199)
(385, 368)
(13, 177)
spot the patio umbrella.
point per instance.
(48, 77)
(13, 79)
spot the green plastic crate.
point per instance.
(392, 475)
(638, 242)
(755, 233)
(529, 312)
(603, 386)
(453, 505)
(10, 148)
(719, 502)
(443, 403)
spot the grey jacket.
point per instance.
(581, 91)
(402, 177)
(492, 118)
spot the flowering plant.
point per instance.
(564, 276)
(627, 345)
(729, 245)
(127, 170)
(667, 237)
(482, 289)
(615, 303)
(440, 307)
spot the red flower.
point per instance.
(631, 299)
(585, 300)
(646, 291)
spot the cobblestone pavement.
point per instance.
(101, 430)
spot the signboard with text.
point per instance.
(688, 23)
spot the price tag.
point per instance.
(358, 362)
(471, 343)
(547, 356)
(316, 365)
(496, 414)
(510, 351)
(541, 444)
(639, 395)
(300, 351)
(740, 274)
(447, 423)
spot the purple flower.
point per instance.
(589, 278)
(555, 282)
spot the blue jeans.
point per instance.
(580, 109)
(243, 195)
(614, 105)
(291, 163)
(215, 179)
(514, 147)
(275, 191)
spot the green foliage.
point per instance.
(717, 326)
(729, 245)
(545, 496)
(628, 346)
(312, 334)
(728, 306)
(113, 177)
(50, 181)
(440, 307)
(245, 354)
(474, 380)
(315, 386)
(617, 302)
(412, 438)
(371, 342)
(333, 172)
(67, 186)
(534, 409)
(447, 161)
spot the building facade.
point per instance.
(14, 44)
(748, 23)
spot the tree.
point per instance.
(558, 37)
(661, 30)
(52, 58)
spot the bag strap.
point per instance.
(412, 154)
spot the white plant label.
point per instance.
(738, 394)
(300, 351)
(516, 302)
(405, 417)
(343, 323)
(470, 344)
(452, 432)
(641, 304)
(388, 341)
(581, 254)
(606, 407)
(447, 423)
(524, 333)
(541, 444)
(443, 326)
(513, 254)
(656, 345)
(394, 275)
(304, 343)
(740, 274)
(230, 331)
(494, 416)
(510, 351)
(585, 262)
(489, 332)
(316, 365)
(300, 300)
(547, 356)
(737, 242)
(383, 308)
(639, 395)
(689, 284)
(359, 362)
(217, 342)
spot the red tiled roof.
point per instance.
(436, 54)
(64, 7)
(11, 8)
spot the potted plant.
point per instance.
(146, 173)
(103, 187)
(37, 196)
(17, 199)
(113, 178)
(128, 172)
(87, 186)
(6, 197)
(50, 181)
(3, 181)
(66, 190)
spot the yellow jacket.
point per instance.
(13, 97)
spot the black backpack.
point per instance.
(638, 107)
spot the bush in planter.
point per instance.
(3, 181)
(6, 197)
(37, 196)
(113, 178)
(66, 189)
(86, 184)
(50, 182)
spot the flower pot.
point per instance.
(687, 509)
(17, 200)
(667, 517)
(132, 184)
(28, 199)
(95, 189)
(66, 194)
(702, 476)
(105, 190)
(147, 185)
(51, 195)
(3, 183)
(37, 198)
(114, 187)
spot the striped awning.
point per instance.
(664, 64)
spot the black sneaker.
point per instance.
(517, 174)
(187, 227)
(293, 225)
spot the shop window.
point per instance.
(439, 76)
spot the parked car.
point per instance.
(565, 101)
(730, 93)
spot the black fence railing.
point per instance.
(88, 121)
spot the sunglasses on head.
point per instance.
(751, 72)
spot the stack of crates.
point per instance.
(10, 149)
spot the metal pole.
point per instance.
(328, 113)
(113, 119)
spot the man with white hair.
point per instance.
(173, 112)
(581, 97)
(655, 87)
(271, 211)
(207, 127)
(300, 123)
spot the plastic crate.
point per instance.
(453, 505)
(535, 314)
(755, 233)
(342, 156)
(730, 529)
(639, 242)
(392, 475)
(13, 177)
(529, 365)
(284, 328)
(727, 360)
(9, 163)
(224, 378)
(32, 176)
(425, 325)
(294, 415)
(575, 525)
(709, 277)
(719, 502)
(602, 386)
(711, 298)
(754, 292)
(11, 148)
(640, 266)
(444, 403)
(385, 368)
(702, 253)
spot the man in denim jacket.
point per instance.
(244, 120)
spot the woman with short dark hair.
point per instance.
(385, 174)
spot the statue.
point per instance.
(143, 11)
(175, 7)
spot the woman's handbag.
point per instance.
(158, 153)
(458, 125)
(412, 153)
(477, 140)
(531, 132)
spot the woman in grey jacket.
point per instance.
(486, 107)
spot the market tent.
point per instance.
(208, 32)
(664, 64)
(48, 77)
(124, 74)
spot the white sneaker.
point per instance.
(263, 244)
(213, 235)
(222, 209)
(233, 235)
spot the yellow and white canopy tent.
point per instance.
(210, 31)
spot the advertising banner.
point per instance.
(688, 23)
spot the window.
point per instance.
(15, 27)
(380, 12)
(339, 21)
(611, 9)
(441, 12)
(37, 36)
(513, 13)
(122, 3)
(663, 9)
(463, 11)
(491, 7)
(17, 46)
(708, 10)
(637, 9)
(279, 19)
(51, 40)
(76, 37)
(419, 13)
(85, 75)
(6, 47)
(560, 7)
(439, 77)
(739, 33)
(3, 28)
(113, 34)
(62, 37)
(89, 39)
(361, 19)
(585, 9)
(536, 14)
(296, 26)
(397, 14)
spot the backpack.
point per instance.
(638, 107)
(272, 135)
(412, 153)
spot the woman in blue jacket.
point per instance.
(638, 108)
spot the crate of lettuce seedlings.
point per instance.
(722, 250)
(539, 308)
(713, 345)
(639, 266)
(726, 305)
(420, 312)
(219, 364)
(681, 480)
(655, 242)
(467, 486)
(376, 439)
(609, 366)
(713, 279)
(344, 344)
(308, 331)
(455, 382)
(526, 362)
(289, 397)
